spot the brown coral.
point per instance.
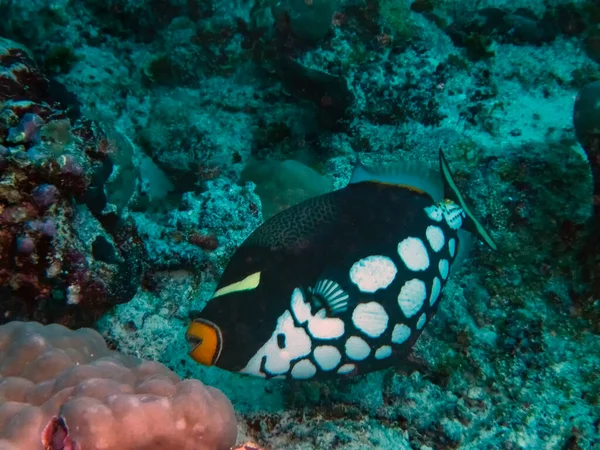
(63, 389)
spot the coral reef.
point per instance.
(64, 389)
(64, 256)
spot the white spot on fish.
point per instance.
(346, 368)
(373, 273)
(400, 334)
(452, 247)
(434, 212)
(277, 362)
(444, 267)
(383, 352)
(356, 348)
(370, 318)
(436, 238)
(436, 288)
(327, 357)
(414, 254)
(412, 296)
(421, 321)
(303, 369)
(323, 327)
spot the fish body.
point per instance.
(340, 284)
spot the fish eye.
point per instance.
(206, 341)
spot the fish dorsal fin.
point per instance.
(451, 192)
(328, 294)
(409, 174)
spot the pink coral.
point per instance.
(63, 389)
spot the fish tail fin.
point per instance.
(451, 192)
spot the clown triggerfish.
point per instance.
(340, 284)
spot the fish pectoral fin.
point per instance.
(329, 294)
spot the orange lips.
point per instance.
(206, 338)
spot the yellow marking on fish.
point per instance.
(247, 284)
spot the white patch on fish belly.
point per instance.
(444, 268)
(414, 254)
(300, 308)
(356, 348)
(436, 288)
(373, 273)
(370, 318)
(435, 213)
(327, 357)
(303, 369)
(319, 326)
(452, 247)
(412, 296)
(383, 352)
(297, 345)
(435, 237)
(346, 368)
(421, 321)
(400, 334)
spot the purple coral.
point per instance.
(25, 245)
(38, 154)
(28, 130)
(45, 195)
(46, 227)
(69, 166)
